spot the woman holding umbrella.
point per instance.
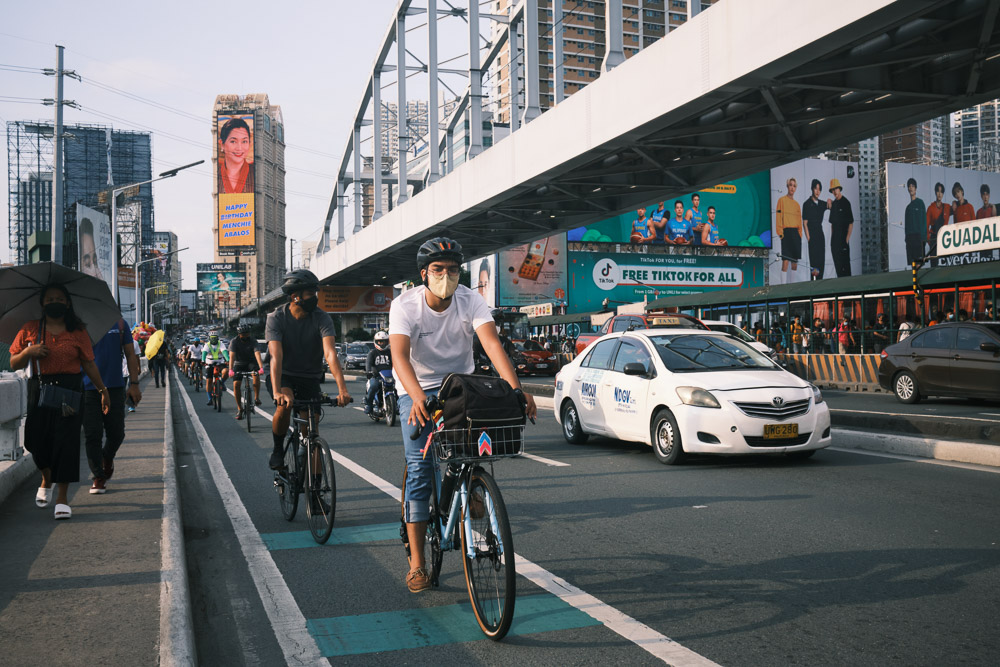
(57, 346)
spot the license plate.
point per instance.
(780, 431)
(541, 366)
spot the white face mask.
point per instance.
(442, 286)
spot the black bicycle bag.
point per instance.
(483, 413)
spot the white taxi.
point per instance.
(689, 391)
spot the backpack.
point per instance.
(482, 415)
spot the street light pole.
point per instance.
(138, 304)
(156, 303)
(145, 292)
(170, 173)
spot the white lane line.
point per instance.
(908, 414)
(287, 620)
(548, 462)
(917, 459)
(622, 624)
(638, 633)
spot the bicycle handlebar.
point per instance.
(300, 403)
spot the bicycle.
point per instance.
(194, 374)
(467, 512)
(308, 469)
(246, 393)
(217, 390)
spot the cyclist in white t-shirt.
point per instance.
(431, 329)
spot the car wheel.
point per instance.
(572, 429)
(800, 455)
(905, 388)
(666, 437)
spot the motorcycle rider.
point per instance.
(379, 359)
(479, 354)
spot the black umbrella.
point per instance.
(19, 298)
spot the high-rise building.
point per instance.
(868, 225)
(166, 275)
(977, 137)
(925, 143)
(97, 159)
(581, 54)
(264, 259)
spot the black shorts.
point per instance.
(791, 245)
(241, 367)
(302, 388)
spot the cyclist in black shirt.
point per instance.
(379, 359)
(244, 357)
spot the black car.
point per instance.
(953, 359)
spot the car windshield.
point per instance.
(532, 346)
(357, 349)
(733, 331)
(693, 353)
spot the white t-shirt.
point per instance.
(440, 343)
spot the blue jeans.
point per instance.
(419, 470)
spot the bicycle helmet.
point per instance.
(243, 328)
(298, 280)
(437, 249)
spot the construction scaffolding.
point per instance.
(96, 159)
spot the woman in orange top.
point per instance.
(57, 346)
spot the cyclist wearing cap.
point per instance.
(213, 354)
(244, 357)
(430, 334)
(299, 336)
(379, 359)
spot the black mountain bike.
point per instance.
(246, 379)
(308, 469)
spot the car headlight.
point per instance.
(697, 397)
(817, 394)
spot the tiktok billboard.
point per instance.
(629, 278)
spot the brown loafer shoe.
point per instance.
(418, 580)
(98, 486)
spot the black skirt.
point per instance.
(54, 440)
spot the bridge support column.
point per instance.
(401, 112)
(340, 212)
(357, 179)
(377, 141)
(532, 109)
(557, 50)
(513, 75)
(433, 112)
(614, 44)
(475, 84)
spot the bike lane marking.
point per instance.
(617, 621)
(287, 621)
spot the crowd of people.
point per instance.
(846, 335)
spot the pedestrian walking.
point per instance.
(845, 338)
(798, 336)
(104, 433)
(57, 347)
(158, 364)
(880, 334)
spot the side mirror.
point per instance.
(989, 347)
(635, 368)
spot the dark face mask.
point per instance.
(55, 310)
(309, 305)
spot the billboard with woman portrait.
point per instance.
(235, 182)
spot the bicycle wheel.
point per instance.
(434, 538)
(285, 481)
(321, 491)
(218, 395)
(247, 401)
(489, 573)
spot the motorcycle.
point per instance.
(386, 400)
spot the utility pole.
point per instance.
(58, 214)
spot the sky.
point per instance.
(312, 58)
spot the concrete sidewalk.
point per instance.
(109, 585)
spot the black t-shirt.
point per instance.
(243, 351)
(301, 341)
(840, 212)
(813, 211)
(378, 360)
